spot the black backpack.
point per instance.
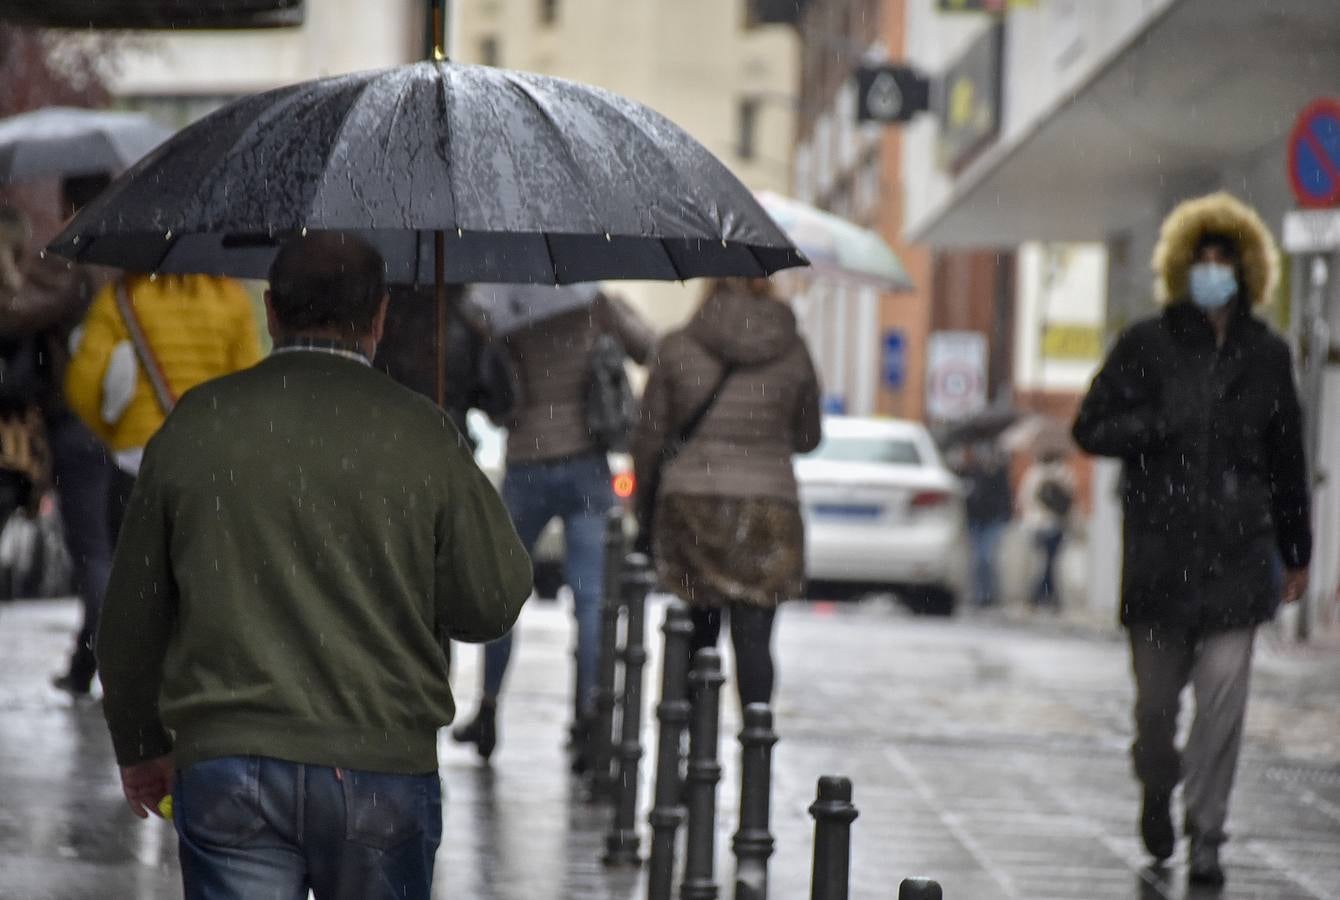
(1055, 497)
(610, 407)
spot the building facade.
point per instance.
(872, 347)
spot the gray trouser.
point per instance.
(1218, 666)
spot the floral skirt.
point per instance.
(714, 551)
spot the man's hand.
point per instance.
(146, 783)
(1295, 584)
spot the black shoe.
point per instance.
(75, 687)
(482, 731)
(1156, 825)
(1204, 869)
(580, 744)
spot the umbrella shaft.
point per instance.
(438, 35)
(440, 301)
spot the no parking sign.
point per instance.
(955, 374)
(1314, 155)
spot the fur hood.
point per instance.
(1219, 213)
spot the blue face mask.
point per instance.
(1212, 285)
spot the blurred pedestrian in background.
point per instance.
(144, 343)
(479, 374)
(24, 460)
(1046, 503)
(271, 647)
(1200, 404)
(733, 395)
(984, 470)
(38, 320)
(557, 467)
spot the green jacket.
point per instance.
(303, 536)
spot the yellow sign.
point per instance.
(1080, 343)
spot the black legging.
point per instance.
(751, 636)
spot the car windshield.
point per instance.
(878, 450)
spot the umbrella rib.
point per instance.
(549, 251)
(665, 248)
(445, 82)
(577, 170)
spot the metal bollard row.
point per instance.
(606, 699)
(753, 842)
(672, 713)
(622, 844)
(833, 814)
(704, 773)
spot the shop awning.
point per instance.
(1208, 87)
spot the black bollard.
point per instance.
(622, 845)
(753, 843)
(672, 713)
(602, 748)
(833, 814)
(920, 889)
(704, 773)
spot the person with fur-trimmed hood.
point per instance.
(1199, 402)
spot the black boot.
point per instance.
(1156, 825)
(581, 739)
(1203, 864)
(83, 666)
(482, 731)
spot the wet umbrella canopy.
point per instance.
(526, 178)
(66, 141)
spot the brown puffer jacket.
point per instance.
(552, 359)
(767, 411)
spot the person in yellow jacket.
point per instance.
(194, 328)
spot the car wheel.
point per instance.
(549, 580)
(930, 601)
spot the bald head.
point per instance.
(330, 283)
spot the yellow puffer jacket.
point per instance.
(200, 327)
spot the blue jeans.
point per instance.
(1049, 542)
(576, 490)
(985, 538)
(256, 828)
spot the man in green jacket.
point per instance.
(304, 537)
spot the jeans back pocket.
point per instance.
(385, 810)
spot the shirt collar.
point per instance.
(322, 345)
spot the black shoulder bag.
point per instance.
(650, 489)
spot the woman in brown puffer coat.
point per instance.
(728, 534)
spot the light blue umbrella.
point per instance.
(61, 141)
(836, 247)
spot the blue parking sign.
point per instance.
(894, 365)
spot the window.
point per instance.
(746, 147)
(548, 12)
(489, 54)
(871, 450)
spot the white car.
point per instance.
(883, 513)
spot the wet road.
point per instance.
(988, 754)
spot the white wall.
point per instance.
(1051, 50)
(337, 36)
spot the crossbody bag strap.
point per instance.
(690, 426)
(143, 351)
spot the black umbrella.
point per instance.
(524, 178)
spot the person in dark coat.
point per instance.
(479, 374)
(985, 473)
(1200, 404)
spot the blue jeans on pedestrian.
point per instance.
(985, 538)
(253, 827)
(1049, 542)
(577, 490)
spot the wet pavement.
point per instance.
(988, 753)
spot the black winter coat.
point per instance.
(1215, 482)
